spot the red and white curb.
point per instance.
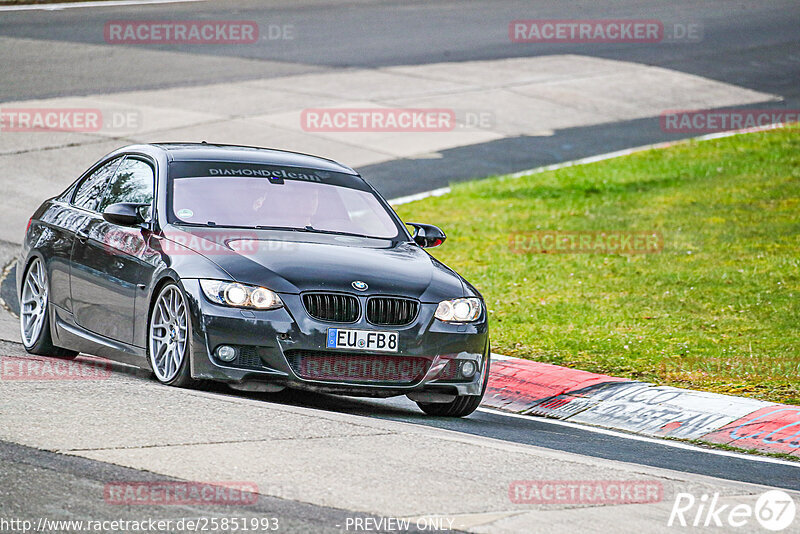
(534, 388)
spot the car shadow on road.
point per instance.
(395, 407)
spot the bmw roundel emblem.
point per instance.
(359, 285)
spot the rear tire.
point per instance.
(34, 314)
(462, 406)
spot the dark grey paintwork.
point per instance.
(104, 278)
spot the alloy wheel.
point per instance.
(168, 333)
(33, 304)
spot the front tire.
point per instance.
(169, 334)
(460, 407)
(34, 314)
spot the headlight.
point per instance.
(240, 295)
(459, 310)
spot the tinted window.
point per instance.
(293, 203)
(133, 182)
(90, 191)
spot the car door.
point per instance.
(107, 266)
(62, 220)
(83, 206)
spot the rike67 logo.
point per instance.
(774, 510)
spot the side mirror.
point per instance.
(427, 235)
(124, 213)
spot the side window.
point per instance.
(90, 190)
(133, 182)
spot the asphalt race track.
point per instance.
(321, 461)
(750, 44)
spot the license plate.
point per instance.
(339, 338)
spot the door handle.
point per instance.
(82, 237)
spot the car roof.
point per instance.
(249, 154)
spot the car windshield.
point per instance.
(284, 203)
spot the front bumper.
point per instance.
(270, 337)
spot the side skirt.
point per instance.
(69, 335)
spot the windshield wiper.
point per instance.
(307, 228)
(310, 229)
(287, 228)
(332, 232)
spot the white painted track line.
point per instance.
(653, 146)
(658, 441)
(108, 3)
(591, 159)
(419, 196)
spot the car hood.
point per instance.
(293, 262)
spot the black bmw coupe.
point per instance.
(259, 268)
